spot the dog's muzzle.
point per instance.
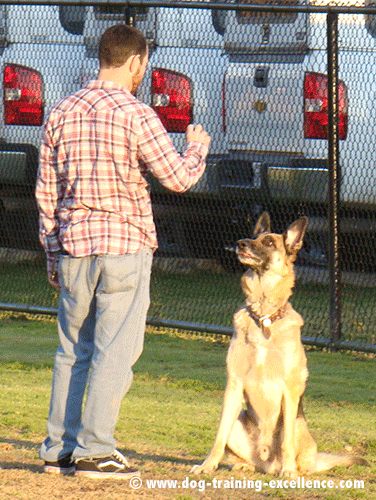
(246, 252)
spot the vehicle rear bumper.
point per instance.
(18, 164)
(265, 176)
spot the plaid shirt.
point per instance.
(97, 146)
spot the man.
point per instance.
(97, 228)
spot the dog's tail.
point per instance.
(325, 461)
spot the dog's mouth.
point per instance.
(247, 257)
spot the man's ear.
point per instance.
(134, 63)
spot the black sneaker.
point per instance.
(63, 465)
(114, 466)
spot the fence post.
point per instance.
(334, 180)
(129, 15)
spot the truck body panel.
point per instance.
(247, 74)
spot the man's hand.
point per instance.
(198, 134)
(53, 277)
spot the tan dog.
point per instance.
(267, 367)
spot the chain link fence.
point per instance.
(286, 91)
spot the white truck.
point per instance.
(256, 81)
(41, 54)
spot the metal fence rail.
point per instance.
(285, 91)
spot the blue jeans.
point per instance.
(101, 323)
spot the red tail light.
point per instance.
(316, 107)
(23, 96)
(172, 99)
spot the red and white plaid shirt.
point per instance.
(97, 146)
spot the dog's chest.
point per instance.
(261, 355)
(266, 356)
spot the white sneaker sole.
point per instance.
(106, 475)
(50, 469)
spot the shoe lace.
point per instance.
(119, 456)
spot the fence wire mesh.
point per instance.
(256, 79)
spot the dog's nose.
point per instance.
(242, 244)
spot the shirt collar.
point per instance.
(106, 85)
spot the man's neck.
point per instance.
(116, 75)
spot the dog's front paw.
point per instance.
(244, 466)
(204, 468)
(292, 474)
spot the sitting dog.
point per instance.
(267, 367)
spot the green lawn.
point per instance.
(169, 418)
(207, 296)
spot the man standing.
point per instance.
(97, 228)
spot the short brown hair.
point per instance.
(118, 43)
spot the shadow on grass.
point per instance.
(10, 445)
(18, 443)
(35, 468)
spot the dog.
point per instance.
(262, 426)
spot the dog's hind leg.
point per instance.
(232, 404)
(305, 446)
(240, 446)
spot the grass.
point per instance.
(25, 282)
(169, 418)
(206, 295)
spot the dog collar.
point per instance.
(265, 322)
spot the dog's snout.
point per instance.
(242, 244)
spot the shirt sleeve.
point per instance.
(48, 194)
(174, 171)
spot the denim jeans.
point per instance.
(101, 323)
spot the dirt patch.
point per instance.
(22, 477)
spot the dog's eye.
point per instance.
(268, 241)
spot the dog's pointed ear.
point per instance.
(262, 225)
(294, 235)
